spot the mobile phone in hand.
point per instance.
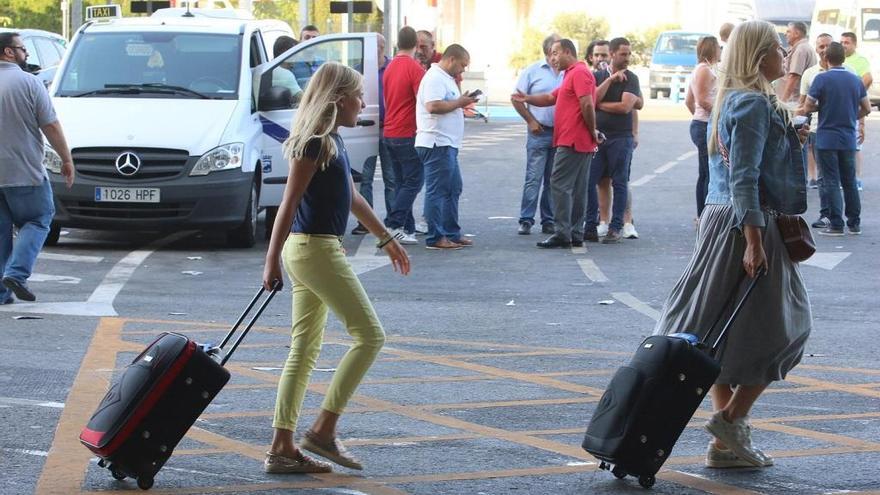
(801, 120)
(475, 93)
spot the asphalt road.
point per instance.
(496, 355)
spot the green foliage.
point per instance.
(31, 14)
(530, 50)
(580, 28)
(642, 42)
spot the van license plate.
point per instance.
(127, 194)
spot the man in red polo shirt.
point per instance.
(401, 84)
(576, 140)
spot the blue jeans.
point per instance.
(30, 208)
(410, 176)
(612, 160)
(699, 138)
(442, 189)
(839, 168)
(388, 177)
(539, 166)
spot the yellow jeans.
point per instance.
(322, 280)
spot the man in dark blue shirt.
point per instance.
(619, 97)
(841, 98)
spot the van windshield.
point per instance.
(153, 65)
(680, 43)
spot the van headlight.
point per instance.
(225, 157)
(51, 160)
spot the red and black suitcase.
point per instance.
(650, 401)
(157, 399)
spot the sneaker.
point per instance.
(737, 436)
(444, 244)
(279, 464)
(422, 227)
(859, 184)
(813, 184)
(332, 450)
(359, 230)
(831, 231)
(855, 230)
(722, 459)
(404, 238)
(821, 223)
(20, 289)
(612, 237)
(602, 230)
(629, 231)
(525, 228)
(548, 228)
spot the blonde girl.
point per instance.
(307, 235)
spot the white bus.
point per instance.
(861, 17)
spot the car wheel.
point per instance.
(245, 235)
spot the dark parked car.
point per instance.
(45, 50)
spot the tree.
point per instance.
(530, 49)
(580, 28)
(642, 42)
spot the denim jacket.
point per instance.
(766, 165)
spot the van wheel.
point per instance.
(245, 235)
(54, 235)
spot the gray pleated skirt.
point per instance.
(768, 337)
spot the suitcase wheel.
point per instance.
(145, 483)
(647, 481)
(619, 473)
(116, 473)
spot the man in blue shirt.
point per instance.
(538, 78)
(841, 99)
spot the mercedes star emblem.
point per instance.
(128, 163)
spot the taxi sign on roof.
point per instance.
(103, 12)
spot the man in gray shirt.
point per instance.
(25, 192)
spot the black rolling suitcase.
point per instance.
(650, 401)
(157, 399)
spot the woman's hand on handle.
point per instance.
(272, 277)
(755, 258)
(399, 258)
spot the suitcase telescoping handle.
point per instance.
(247, 328)
(714, 349)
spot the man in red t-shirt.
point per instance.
(401, 84)
(576, 140)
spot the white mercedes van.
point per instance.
(177, 123)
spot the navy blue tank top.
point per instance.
(326, 203)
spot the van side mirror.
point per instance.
(275, 98)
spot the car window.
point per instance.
(33, 55)
(678, 43)
(48, 53)
(871, 27)
(206, 63)
(297, 70)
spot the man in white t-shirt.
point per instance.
(439, 132)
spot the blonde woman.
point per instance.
(755, 167)
(700, 93)
(307, 236)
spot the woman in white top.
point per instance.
(700, 95)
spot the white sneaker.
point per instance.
(404, 238)
(602, 229)
(629, 231)
(724, 459)
(421, 227)
(737, 436)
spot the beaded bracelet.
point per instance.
(384, 240)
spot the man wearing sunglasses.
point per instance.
(25, 193)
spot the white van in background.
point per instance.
(861, 17)
(174, 123)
